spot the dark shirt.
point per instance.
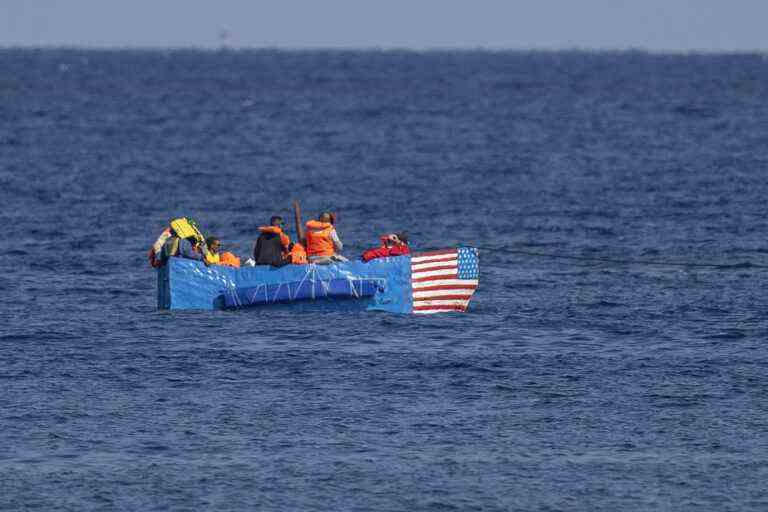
(186, 251)
(269, 250)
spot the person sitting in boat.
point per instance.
(323, 242)
(271, 247)
(296, 254)
(213, 257)
(189, 248)
(393, 244)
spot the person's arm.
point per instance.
(372, 254)
(285, 241)
(336, 241)
(158, 245)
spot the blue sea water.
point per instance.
(580, 379)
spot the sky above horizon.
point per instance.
(656, 25)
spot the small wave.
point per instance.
(38, 336)
(732, 335)
(603, 304)
(740, 265)
(82, 290)
(695, 111)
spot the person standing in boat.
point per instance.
(271, 247)
(323, 242)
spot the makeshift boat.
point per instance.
(428, 282)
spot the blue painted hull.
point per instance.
(382, 284)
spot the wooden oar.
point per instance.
(299, 226)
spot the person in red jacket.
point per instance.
(394, 244)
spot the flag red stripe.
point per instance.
(436, 260)
(438, 287)
(433, 278)
(440, 308)
(443, 297)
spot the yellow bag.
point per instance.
(185, 229)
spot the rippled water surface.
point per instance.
(582, 378)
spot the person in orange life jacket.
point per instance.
(323, 242)
(296, 254)
(394, 244)
(271, 247)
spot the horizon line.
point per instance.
(388, 48)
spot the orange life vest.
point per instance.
(284, 240)
(298, 255)
(319, 241)
(230, 260)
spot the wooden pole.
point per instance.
(299, 225)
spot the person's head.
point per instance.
(389, 240)
(403, 237)
(276, 220)
(213, 243)
(291, 246)
(326, 217)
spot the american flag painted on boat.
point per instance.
(443, 280)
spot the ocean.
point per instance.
(613, 358)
